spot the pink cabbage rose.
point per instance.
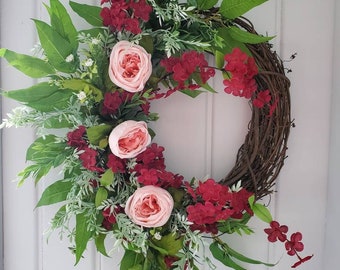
(129, 139)
(149, 206)
(130, 66)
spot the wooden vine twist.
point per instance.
(262, 155)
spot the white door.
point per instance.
(212, 128)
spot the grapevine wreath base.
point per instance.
(97, 88)
(261, 156)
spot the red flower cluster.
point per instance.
(262, 99)
(293, 246)
(150, 169)
(88, 155)
(125, 15)
(116, 164)
(242, 69)
(109, 213)
(215, 202)
(113, 101)
(183, 67)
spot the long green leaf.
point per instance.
(42, 96)
(62, 23)
(232, 9)
(45, 149)
(245, 259)
(223, 257)
(57, 48)
(45, 153)
(89, 13)
(57, 192)
(37, 171)
(100, 244)
(29, 65)
(82, 237)
(246, 37)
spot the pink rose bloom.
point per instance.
(130, 66)
(149, 206)
(129, 139)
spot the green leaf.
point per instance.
(29, 65)
(57, 48)
(42, 96)
(131, 259)
(100, 244)
(206, 4)
(223, 257)
(245, 259)
(101, 195)
(227, 46)
(96, 133)
(232, 9)
(48, 149)
(239, 226)
(45, 152)
(251, 200)
(192, 93)
(246, 37)
(93, 32)
(262, 212)
(62, 23)
(55, 122)
(57, 192)
(81, 85)
(82, 235)
(170, 244)
(107, 178)
(91, 14)
(36, 170)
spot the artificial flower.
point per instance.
(149, 206)
(129, 139)
(130, 66)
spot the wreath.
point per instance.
(95, 88)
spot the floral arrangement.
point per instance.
(95, 89)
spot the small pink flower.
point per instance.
(130, 66)
(129, 139)
(149, 206)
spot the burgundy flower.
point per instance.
(141, 10)
(294, 245)
(75, 137)
(148, 177)
(276, 232)
(112, 102)
(116, 164)
(89, 159)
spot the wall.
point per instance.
(332, 240)
(216, 128)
